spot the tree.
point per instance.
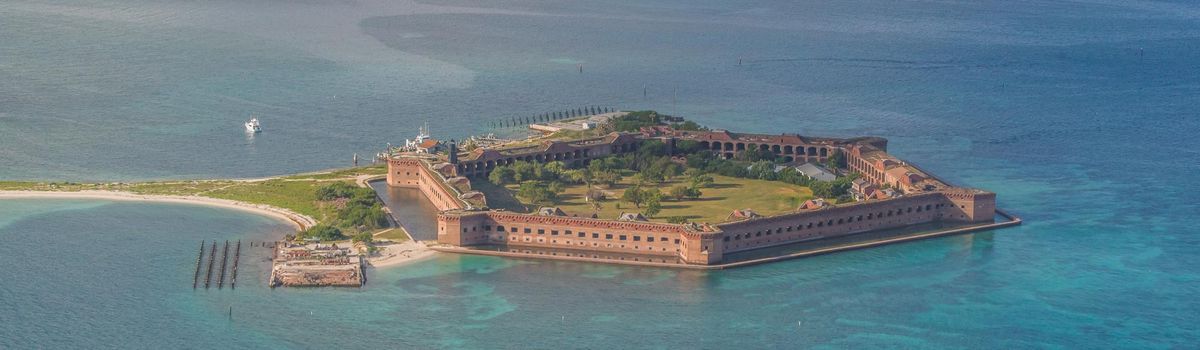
(687, 147)
(836, 160)
(322, 232)
(653, 199)
(698, 178)
(364, 237)
(634, 195)
(679, 191)
(524, 171)
(653, 208)
(576, 176)
(502, 176)
(536, 192)
(763, 170)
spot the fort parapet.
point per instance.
(463, 220)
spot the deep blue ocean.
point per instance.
(1081, 115)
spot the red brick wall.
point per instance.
(552, 232)
(837, 221)
(414, 173)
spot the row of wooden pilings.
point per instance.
(212, 260)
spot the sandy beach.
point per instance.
(300, 221)
(400, 253)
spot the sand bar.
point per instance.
(300, 221)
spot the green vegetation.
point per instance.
(395, 235)
(323, 232)
(765, 170)
(688, 183)
(376, 169)
(355, 209)
(331, 198)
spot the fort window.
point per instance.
(637, 238)
(623, 237)
(789, 229)
(567, 232)
(608, 236)
(841, 221)
(649, 238)
(527, 230)
(810, 225)
(512, 229)
(758, 234)
(553, 232)
(909, 209)
(582, 235)
(541, 231)
(487, 227)
(727, 238)
(676, 241)
(464, 229)
(595, 235)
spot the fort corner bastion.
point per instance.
(466, 225)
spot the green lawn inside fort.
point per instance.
(714, 204)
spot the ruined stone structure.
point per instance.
(462, 223)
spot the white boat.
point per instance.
(252, 126)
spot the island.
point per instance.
(649, 189)
(595, 185)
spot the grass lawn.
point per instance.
(395, 235)
(713, 206)
(295, 195)
(377, 169)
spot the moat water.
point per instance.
(1080, 115)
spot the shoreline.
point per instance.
(300, 221)
(401, 254)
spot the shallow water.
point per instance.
(1079, 115)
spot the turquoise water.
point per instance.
(1080, 115)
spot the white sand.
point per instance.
(300, 221)
(400, 253)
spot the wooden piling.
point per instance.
(237, 254)
(199, 259)
(224, 259)
(212, 256)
